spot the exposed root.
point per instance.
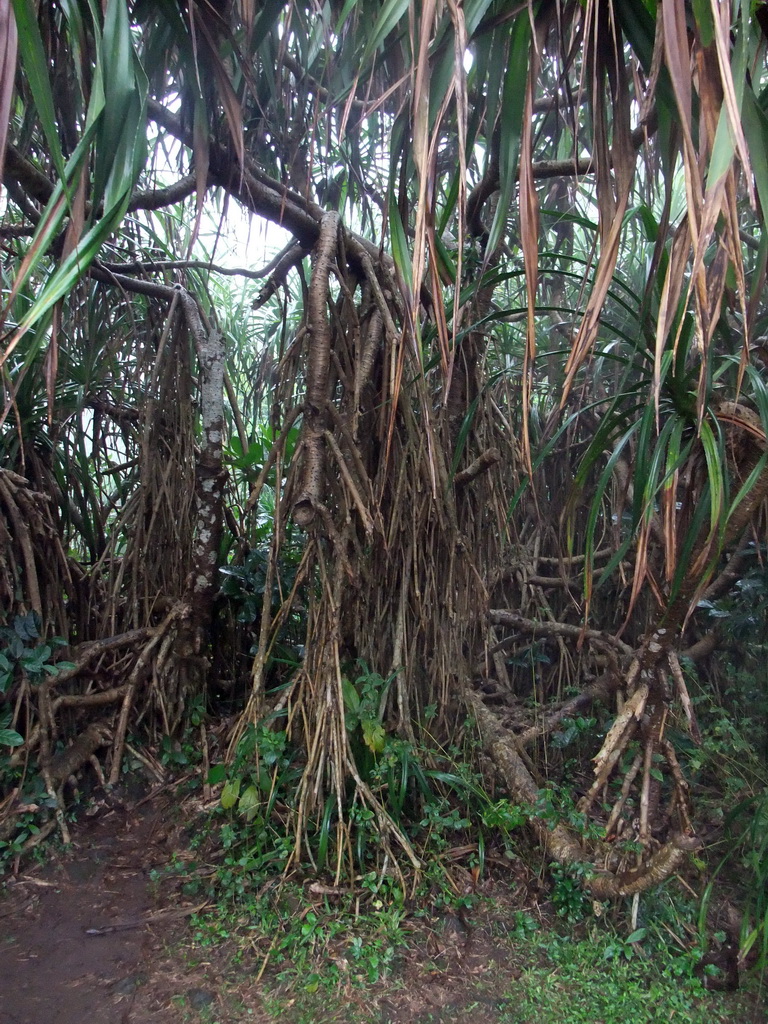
(59, 769)
(661, 866)
(141, 669)
(558, 841)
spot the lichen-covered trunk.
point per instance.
(203, 583)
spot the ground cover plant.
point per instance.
(439, 533)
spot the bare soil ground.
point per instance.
(79, 935)
(88, 937)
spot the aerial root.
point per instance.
(161, 636)
(643, 713)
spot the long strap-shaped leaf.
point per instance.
(115, 133)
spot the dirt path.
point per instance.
(87, 938)
(79, 937)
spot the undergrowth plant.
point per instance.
(294, 903)
(602, 977)
(26, 660)
(744, 871)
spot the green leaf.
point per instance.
(117, 128)
(268, 15)
(461, 440)
(715, 463)
(755, 125)
(230, 793)
(374, 735)
(702, 12)
(60, 666)
(27, 626)
(400, 252)
(749, 483)
(249, 802)
(351, 696)
(10, 738)
(513, 103)
(33, 661)
(325, 832)
(217, 774)
(474, 12)
(389, 15)
(35, 64)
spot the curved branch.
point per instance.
(261, 194)
(248, 185)
(573, 167)
(481, 464)
(35, 185)
(155, 267)
(703, 647)
(17, 231)
(156, 199)
(286, 261)
(85, 653)
(358, 106)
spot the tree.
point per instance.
(517, 427)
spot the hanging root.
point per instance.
(616, 742)
(159, 636)
(618, 807)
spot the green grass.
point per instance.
(591, 981)
(533, 978)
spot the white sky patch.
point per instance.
(250, 240)
(240, 238)
(231, 239)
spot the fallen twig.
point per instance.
(141, 922)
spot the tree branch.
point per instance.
(502, 617)
(248, 185)
(481, 464)
(259, 193)
(156, 199)
(22, 173)
(156, 266)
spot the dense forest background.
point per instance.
(446, 521)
